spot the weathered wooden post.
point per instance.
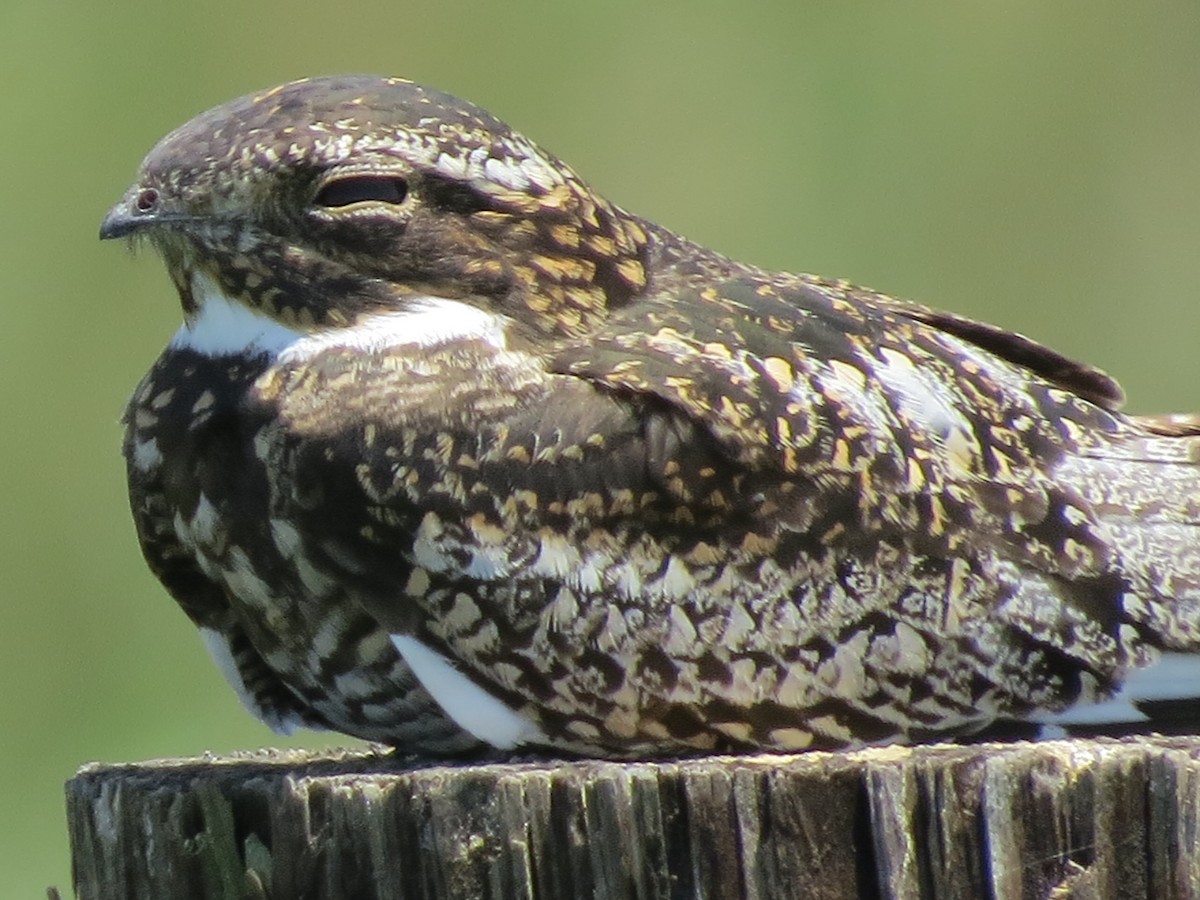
(1070, 819)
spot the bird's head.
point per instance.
(327, 199)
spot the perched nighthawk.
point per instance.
(450, 450)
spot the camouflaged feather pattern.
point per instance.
(683, 504)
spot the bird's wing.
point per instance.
(923, 416)
(894, 424)
(899, 426)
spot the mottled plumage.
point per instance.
(450, 449)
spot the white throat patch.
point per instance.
(224, 326)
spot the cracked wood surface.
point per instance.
(1065, 819)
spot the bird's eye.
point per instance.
(147, 200)
(361, 188)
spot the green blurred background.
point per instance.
(1031, 163)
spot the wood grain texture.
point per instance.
(1069, 819)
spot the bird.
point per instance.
(454, 454)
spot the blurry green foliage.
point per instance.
(1031, 163)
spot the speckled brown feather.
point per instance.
(686, 505)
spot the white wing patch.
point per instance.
(470, 706)
(224, 326)
(222, 654)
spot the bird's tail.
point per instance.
(1144, 490)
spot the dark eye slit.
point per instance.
(362, 188)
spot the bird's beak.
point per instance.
(140, 208)
(120, 222)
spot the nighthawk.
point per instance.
(452, 452)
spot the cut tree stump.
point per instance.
(1059, 819)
